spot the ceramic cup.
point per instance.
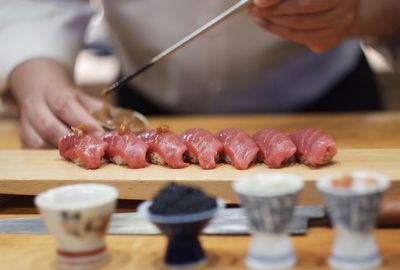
(78, 216)
(184, 248)
(352, 202)
(269, 200)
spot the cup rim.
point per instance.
(237, 185)
(323, 183)
(143, 209)
(45, 200)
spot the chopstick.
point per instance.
(181, 43)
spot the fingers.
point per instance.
(67, 108)
(297, 7)
(49, 102)
(318, 24)
(317, 40)
(44, 122)
(90, 103)
(266, 3)
(315, 21)
(29, 137)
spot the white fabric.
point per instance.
(235, 60)
(31, 29)
(388, 48)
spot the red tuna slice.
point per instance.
(125, 148)
(86, 150)
(314, 147)
(203, 147)
(239, 148)
(276, 148)
(165, 147)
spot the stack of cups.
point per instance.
(78, 216)
(269, 201)
(353, 202)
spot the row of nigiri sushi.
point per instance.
(198, 146)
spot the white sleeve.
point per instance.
(388, 50)
(40, 28)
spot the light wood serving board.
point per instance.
(29, 172)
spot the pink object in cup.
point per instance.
(353, 201)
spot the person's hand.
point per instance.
(318, 24)
(49, 103)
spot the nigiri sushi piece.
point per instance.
(203, 147)
(240, 150)
(125, 148)
(276, 148)
(84, 149)
(165, 147)
(314, 147)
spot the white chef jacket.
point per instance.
(236, 67)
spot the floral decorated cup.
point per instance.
(269, 200)
(78, 216)
(353, 201)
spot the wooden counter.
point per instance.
(376, 130)
(146, 252)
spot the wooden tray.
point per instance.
(28, 172)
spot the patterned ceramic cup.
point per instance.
(352, 201)
(269, 201)
(184, 249)
(78, 217)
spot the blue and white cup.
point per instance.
(269, 201)
(353, 202)
(78, 217)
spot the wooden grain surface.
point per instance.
(9, 137)
(29, 172)
(146, 252)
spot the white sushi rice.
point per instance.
(118, 160)
(192, 157)
(77, 161)
(155, 158)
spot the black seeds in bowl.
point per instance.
(177, 199)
